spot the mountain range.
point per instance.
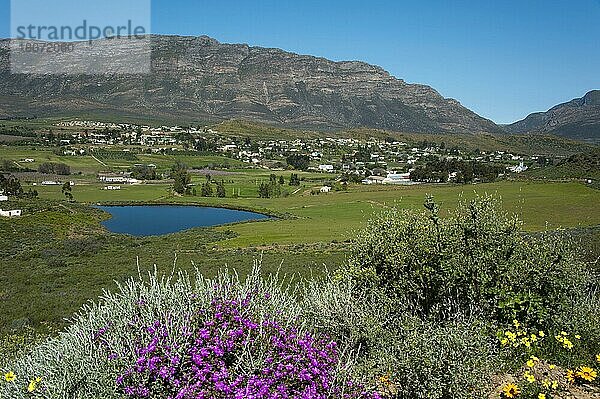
(578, 119)
(200, 80)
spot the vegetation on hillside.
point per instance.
(585, 165)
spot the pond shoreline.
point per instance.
(143, 220)
(263, 211)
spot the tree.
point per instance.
(62, 169)
(182, 180)
(178, 166)
(299, 162)
(7, 166)
(66, 190)
(281, 180)
(143, 173)
(221, 189)
(207, 190)
(10, 185)
(54, 168)
(263, 191)
(294, 180)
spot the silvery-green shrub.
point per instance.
(476, 259)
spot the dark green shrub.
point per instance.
(474, 261)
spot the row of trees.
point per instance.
(438, 171)
(50, 168)
(182, 183)
(144, 172)
(271, 188)
(207, 189)
(11, 186)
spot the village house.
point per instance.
(327, 168)
(518, 169)
(3, 198)
(325, 189)
(398, 178)
(10, 214)
(373, 180)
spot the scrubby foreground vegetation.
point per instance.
(461, 306)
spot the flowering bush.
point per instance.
(183, 338)
(287, 363)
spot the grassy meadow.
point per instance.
(57, 256)
(332, 217)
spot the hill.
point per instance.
(584, 165)
(577, 119)
(198, 79)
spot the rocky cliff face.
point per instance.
(577, 119)
(200, 79)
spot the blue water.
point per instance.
(159, 220)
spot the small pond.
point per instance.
(157, 220)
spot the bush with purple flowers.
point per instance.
(289, 364)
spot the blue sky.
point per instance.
(502, 59)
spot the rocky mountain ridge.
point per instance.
(200, 79)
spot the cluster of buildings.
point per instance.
(326, 154)
(120, 178)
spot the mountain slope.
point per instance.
(577, 119)
(200, 79)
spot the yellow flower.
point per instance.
(535, 358)
(385, 379)
(530, 363)
(511, 391)
(554, 384)
(568, 344)
(511, 335)
(516, 324)
(529, 377)
(587, 373)
(32, 386)
(570, 376)
(598, 358)
(563, 333)
(504, 341)
(552, 366)
(577, 336)
(546, 383)
(533, 337)
(542, 396)
(541, 334)
(526, 342)
(10, 376)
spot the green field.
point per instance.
(332, 217)
(57, 256)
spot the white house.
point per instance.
(112, 188)
(326, 168)
(325, 189)
(10, 214)
(397, 178)
(374, 180)
(518, 169)
(51, 183)
(3, 198)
